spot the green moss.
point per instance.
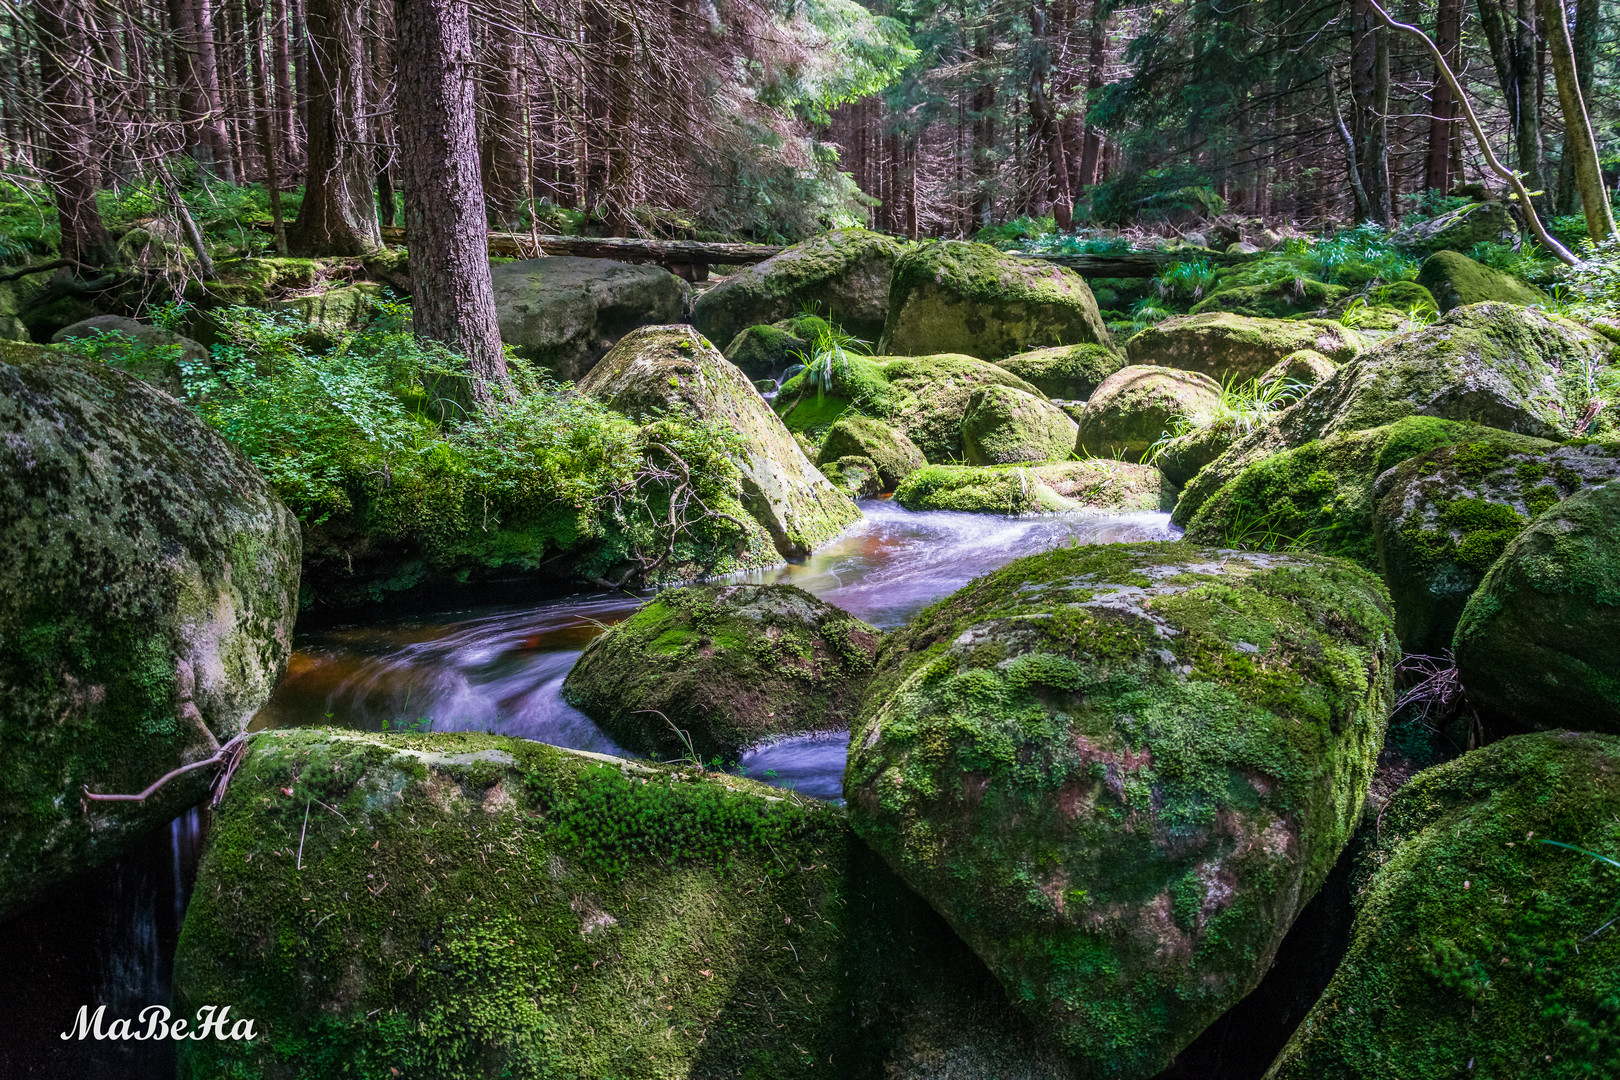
(1004, 426)
(1455, 280)
(1274, 300)
(1033, 489)
(1473, 951)
(954, 296)
(732, 666)
(766, 351)
(1227, 345)
(891, 455)
(1048, 754)
(1137, 405)
(1070, 372)
(470, 906)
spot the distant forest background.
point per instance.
(775, 119)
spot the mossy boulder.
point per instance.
(1455, 280)
(475, 906)
(1222, 345)
(657, 369)
(1136, 405)
(1057, 487)
(1066, 372)
(1539, 641)
(1274, 299)
(147, 592)
(955, 296)
(333, 312)
(1307, 367)
(564, 313)
(925, 397)
(1443, 518)
(1502, 366)
(1183, 457)
(844, 274)
(1004, 426)
(733, 666)
(892, 454)
(854, 474)
(1474, 951)
(1459, 230)
(764, 352)
(1321, 496)
(1119, 771)
(151, 354)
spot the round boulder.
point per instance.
(1455, 280)
(1223, 345)
(1136, 405)
(564, 312)
(1004, 426)
(1057, 487)
(1443, 518)
(1120, 771)
(765, 352)
(148, 584)
(893, 456)
(1066, 372)
(954, 296)
(1307, 367)
(844, 273)
(150, 353)
(1476, 948)
(1539, 641)
(730, 666)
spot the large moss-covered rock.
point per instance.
(148, 582)
(1495, 364)
(1274, 299)
(1455, 281)
(1183, 457)
(954, 296)
(1459, 230)
(1306, 368)
(1004, 426)
(732, 666)
(332, 312)
(764, 352)
(844, 274)
(1444, 517)
(925, 397)
(1119, 772)
(1096, 484)
(1066, 372)
(1138, 404)
(1223, 345)
(892, 454)
(1321, 496)
(148, 352)
(1475, 949)
(1539, 642)
(662, 368)
(462, 905)
(564, 313)
(854, 474)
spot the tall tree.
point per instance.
(452, 295)
(70, 163)
(506, 177)
(1369, 89)
(1046, 124)
(339, 212)
(1579, 145)
(1442, 106)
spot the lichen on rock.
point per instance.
(149, 584)
(1119, 771)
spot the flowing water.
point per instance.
(501, 669)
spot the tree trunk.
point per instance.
(452, 297)
(1091, 156)
(281, 57)
(268, 118)
(1442, 107)
(70, 163)
(1579, 145)
(984, 134)
(1046, 124)
(1369, 90)
(506, 178)
(339, 212)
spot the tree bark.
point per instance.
(1046, 124)
(1580, 147)
(207, 60)
(452, 297)
(1091, 155)
(1369, 90)
(70, 162)
(1442, 106)
(506, 176)
(268, 118)
(339, 212)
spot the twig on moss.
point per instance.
(231, 749)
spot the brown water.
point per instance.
(501, 669)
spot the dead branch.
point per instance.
(229, 754)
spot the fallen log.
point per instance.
(1131, 264)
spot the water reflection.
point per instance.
(501, 670)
